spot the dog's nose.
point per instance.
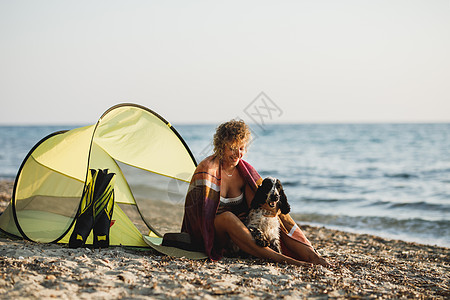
(274, 197)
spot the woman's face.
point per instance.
(234, 152)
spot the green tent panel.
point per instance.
(152, 163)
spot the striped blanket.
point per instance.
(202, 201)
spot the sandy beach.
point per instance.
(363, 266)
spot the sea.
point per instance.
(390, 180)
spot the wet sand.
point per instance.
(363, 266)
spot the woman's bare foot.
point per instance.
(321, 261)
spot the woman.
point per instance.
(220, 193)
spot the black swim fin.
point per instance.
(103, 210)
(85, 219)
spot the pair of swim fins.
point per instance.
(96, 209)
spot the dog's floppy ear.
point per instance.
(285, 208)
(259, 197)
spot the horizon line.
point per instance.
(332, 122)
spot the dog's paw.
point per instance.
(275, 245)
(258, 237)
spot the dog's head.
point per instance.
(271, 195)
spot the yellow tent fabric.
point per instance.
(130, 140)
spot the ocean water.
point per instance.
(391, 180)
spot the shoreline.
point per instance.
(364, 266)
(382, 236)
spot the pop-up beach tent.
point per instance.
(152, 166)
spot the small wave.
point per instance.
(376, 140)
(339, 176)
(290, 183)
(369, 160)
(371, 168)
(421, 205)
(437, 170)
(401, 175)
(7, 177)
(329, 200)
(326, 186)
(379, 203)
(266, 173)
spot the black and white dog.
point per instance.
(263, 223)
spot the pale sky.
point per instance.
(66, 62)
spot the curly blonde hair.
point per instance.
(230, 133)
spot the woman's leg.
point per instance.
(227, 226)
(303, 251)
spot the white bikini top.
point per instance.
(232, 201)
